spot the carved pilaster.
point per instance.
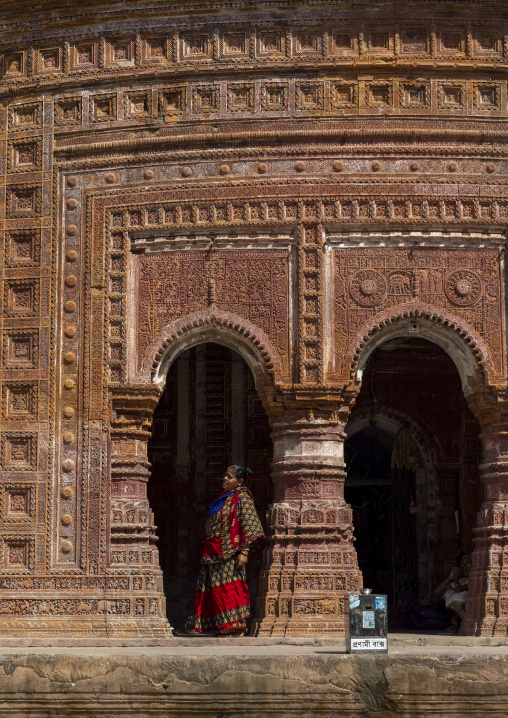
(133, 553)
(310, 563)
(487, 603)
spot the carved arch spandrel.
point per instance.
(213, 325)
(464, 346)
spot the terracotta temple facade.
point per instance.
(271, 235)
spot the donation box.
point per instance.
(367, 628)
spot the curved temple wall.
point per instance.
(296, 182)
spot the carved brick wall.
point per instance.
(236, 176)
(461, 282)
(252, 284)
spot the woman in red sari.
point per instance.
(233, 533)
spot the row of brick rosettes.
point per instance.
(337, 95)
(271, 43)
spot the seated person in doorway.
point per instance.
(233, 534)
(453, 590)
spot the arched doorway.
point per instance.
(412, 457)
(209, 416)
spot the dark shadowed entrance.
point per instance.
(209, 416)
(369, 491)
(412, 458)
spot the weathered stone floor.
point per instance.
(230, 678)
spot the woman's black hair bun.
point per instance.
(242, 473)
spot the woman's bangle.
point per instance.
(245, 553)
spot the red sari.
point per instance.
(222, 595)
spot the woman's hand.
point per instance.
(241, 560)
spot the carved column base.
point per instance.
(310, 564)
(138, 605)
(487, 602)
(307, 593)
(305, 590)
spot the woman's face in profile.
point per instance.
(230, 482)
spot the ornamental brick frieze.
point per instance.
(344, 139)
(342, 94)
(230, 42)
(247, 204)
(311, 334)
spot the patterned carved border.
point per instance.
(328, 207)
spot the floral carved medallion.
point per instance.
(463, 287)
(368, 287)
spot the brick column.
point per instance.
(487, 603)
(310, 563)
(133, 555)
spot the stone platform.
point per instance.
(230, 678)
